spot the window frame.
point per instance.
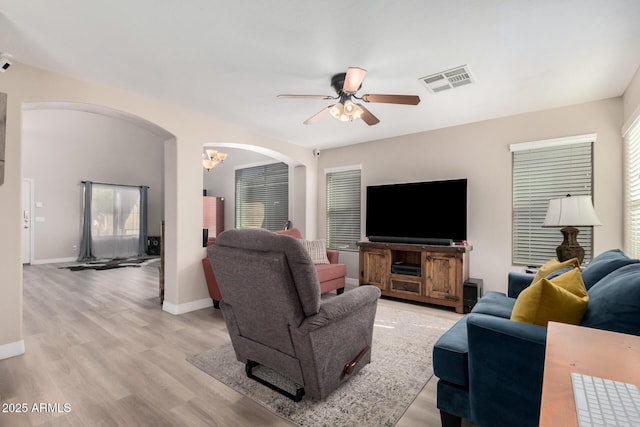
(273, 174)
(631, 167)
(347, 209)
(532, 244)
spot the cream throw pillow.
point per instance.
(563, 299)
(317, 250)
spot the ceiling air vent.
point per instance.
(449, 79)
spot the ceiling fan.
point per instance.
(346, 85)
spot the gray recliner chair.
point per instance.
(275, 317)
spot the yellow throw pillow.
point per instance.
(552, 266)
(563, 299)
(572, 281)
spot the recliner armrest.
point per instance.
(506, 364)
(336, 308)
(517, 282)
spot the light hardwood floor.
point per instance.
(100, 347)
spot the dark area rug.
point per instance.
(377, 396)
(112, 263)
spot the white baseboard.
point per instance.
(354, 282)
(53, 260)
(207, 302)
(187, 306)
(12, 349)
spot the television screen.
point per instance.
(418, 210)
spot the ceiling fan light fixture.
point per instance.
(345, 118)
(349, 107)
(337, 110)
(346, 110)
(352, 110)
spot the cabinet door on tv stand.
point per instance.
(442, 271)
(375, 267)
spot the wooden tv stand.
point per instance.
(425, 273)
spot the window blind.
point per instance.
(632, 190)
(262, 196)
(541, 174)
(343, 209)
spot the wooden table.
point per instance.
(586, 351)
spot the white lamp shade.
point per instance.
(571, 211)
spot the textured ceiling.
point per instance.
(231, 59)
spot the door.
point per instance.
(376, 267)
(27, 202)
(442, 275)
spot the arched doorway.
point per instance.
(66, 143)
(220, 180)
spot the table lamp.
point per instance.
(570, 212)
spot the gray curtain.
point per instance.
(85, 243)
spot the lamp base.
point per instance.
(570, 248)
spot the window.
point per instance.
(632, 189)
(343, 208)
(115, 211)
(262, 196)
(114, 221)
(544, 170)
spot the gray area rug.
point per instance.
(377, 396)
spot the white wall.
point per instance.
(480, 153)
(63, 147)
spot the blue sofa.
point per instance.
(490, 368)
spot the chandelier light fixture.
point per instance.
(212, 158)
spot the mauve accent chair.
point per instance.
(331, 276)
(276, 318)
(212, 283)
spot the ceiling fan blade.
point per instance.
(308, 96)
(367, 117)
(318, 116)
(392, 99)
(353, 79)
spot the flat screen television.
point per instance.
(433, 212)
